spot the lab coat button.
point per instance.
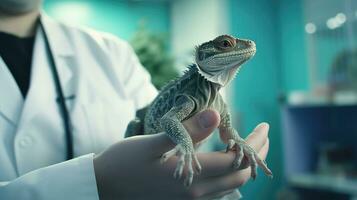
(25, 141)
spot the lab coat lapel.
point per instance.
(62, 51)
(42, 93)
(41, 120)
(11, 100)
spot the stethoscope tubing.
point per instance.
(66, 118)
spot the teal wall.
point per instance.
(257, 85)
(121, 18)
(292, 48)
(279, 66)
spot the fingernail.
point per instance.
(206, 119)
(261, 126)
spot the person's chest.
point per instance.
(31, 129)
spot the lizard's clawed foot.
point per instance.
(243, 149)
(186, 157)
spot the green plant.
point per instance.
(152, 50)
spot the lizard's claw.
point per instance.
(186, 156)
(243, 149)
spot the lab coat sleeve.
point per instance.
(73, 179)
(134, 77)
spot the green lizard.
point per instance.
(217, 62)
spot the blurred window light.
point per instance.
(332, 23)
(341, 18)
(72, 12)
(310, 28)
(356, 13)
(336, 21)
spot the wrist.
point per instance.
(98, 175)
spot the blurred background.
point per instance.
(303, 79)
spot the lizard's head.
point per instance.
(220, 59)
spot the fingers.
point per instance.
(259, 135)
(202, 124)
(217, 163)
(231, 180)
(199, 127)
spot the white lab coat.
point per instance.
(109, 85)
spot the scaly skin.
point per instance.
(198, 89)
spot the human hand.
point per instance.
(131, 169)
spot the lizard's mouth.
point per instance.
(246, 53)
(226, 62)
(231, 59)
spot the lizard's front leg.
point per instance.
(171, 122)
(242, 148)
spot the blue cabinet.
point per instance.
(306, 130)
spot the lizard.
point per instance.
(217, 63)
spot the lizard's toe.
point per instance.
(169, 154)
(179, 167)
(264, 166)
(197, 164)
(253, 164)
(230, 145)
(243, 149)
(239, 157)
(190, 173)
(186, 157)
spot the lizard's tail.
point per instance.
(135, 127)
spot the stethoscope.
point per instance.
(67, 125)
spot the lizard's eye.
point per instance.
(225, 44)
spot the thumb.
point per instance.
(201, 125)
